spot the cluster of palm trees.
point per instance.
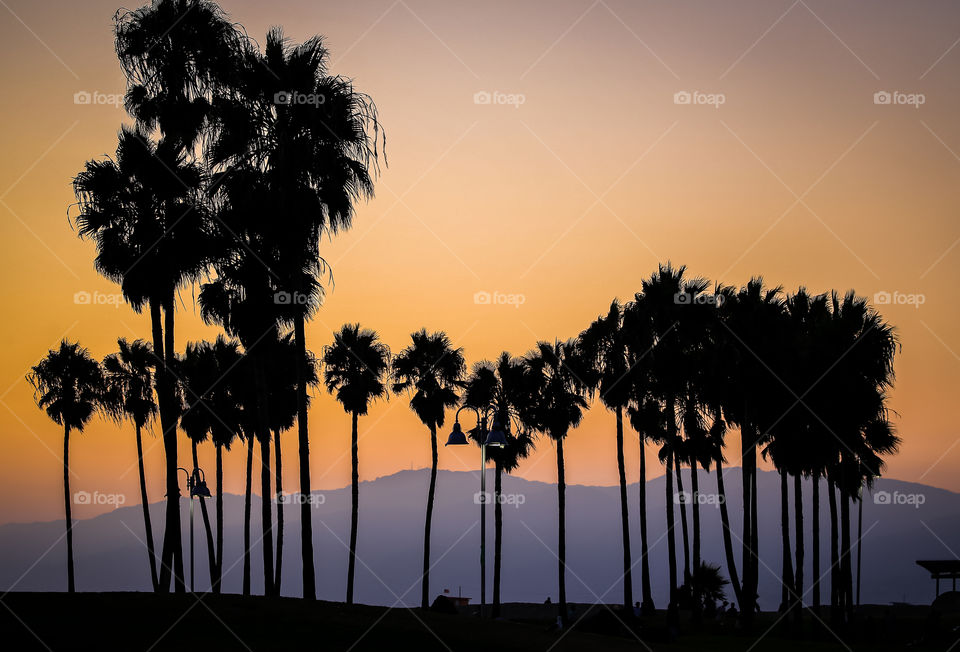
(228, 182)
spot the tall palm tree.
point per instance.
(175, 55)
(556, 372)
(314, 161)
(646, 417)
(68, 385)
(144, 211)
(604, 346)
(502, 385)
(748, 317)
(129, 391)
(355, 366)
(431, 370)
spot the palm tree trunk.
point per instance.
(859, 543)
(263, 434)
(671, 533)
(354, 507)
(218, 580)
(845, 567)
(497, 536)
(815, 479)
(425, 579)
(145, 503)
(624, 520)
(646, 606)
(798, 533)
(695, 493)
(246, 516)
(170, 465)
(211, 554)
(303, 438)
(727, 543)
(266, 514)
(786, 565)
(170, 446)
(834, 554)
(561, 535)
(278, 569)
(677, 464)
(71, 586)
(748, 558)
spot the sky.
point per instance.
(544, 154)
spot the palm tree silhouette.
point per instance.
(555, 373)
(313, 162)
(501, 384)
(604, 345)
(68, 384)
(355, 366)
(129, 385)
(432, 371)
(143, 210)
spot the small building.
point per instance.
(457, 600)
(941, 569)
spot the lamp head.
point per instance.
(456, 438)
(497, 437)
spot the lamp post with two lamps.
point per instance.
(197, 485)
(496, 438)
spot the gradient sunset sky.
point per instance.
(569, 196)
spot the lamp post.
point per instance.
(197, 486)
(497, 439)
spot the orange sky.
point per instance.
(568, 199)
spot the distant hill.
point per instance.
(111, 557)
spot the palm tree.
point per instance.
(175, 55)
(646, 418)
(129, 384)
(748, 317)
(604, 346)
(354, 368)
(313, 162)
(143, 210)
(502, 385)
(555, 372)
(68, 385)
(432, 371)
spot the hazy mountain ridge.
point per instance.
(111, 556)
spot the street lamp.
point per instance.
(496, 438)
(197, 485)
